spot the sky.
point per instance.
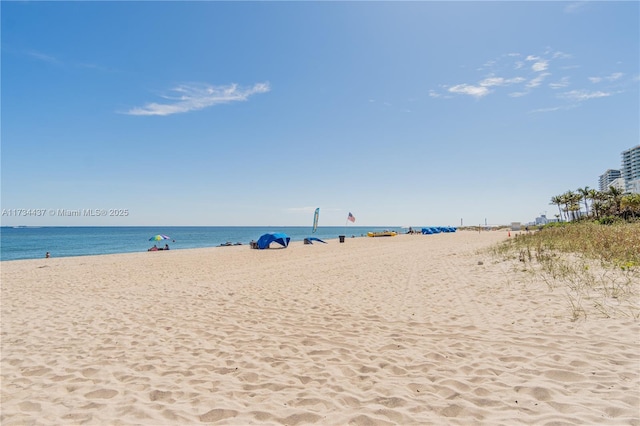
(257, 113)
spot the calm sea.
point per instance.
(34, 242)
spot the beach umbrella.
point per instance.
(159, 237)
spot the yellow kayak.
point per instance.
(382, 234)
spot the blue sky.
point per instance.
(256, 113)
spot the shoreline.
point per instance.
(400, 330)
(22, 244)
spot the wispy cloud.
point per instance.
(467, 89)
(539, 66)
(610, 78)
(554, 109)
(546, 72)
(185, 98)
(583, 95)
(43, 57)
(500, 81)
(560, 84)
(482, 88)
(550, 109)
(537, 81)
(575, 7)
(63, 63)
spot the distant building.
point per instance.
(619, 184)
(631, 169)
(608, 177)
(542, 220)
(633, 186)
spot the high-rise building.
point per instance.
(631, 169)
(607, 179)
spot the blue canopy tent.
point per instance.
(310, 240)
(278, 237)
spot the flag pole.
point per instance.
(349, 217)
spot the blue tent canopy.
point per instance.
(278, 237)
(310, 240)
(438, 229)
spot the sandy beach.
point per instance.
(406, 330)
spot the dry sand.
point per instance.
(405, 330)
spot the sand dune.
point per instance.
(405, 330)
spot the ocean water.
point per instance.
(34, 242)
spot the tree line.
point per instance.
(600, 205)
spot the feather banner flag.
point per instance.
(315, 220)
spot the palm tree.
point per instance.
(557, 200)
(584, 192)
(572, 200)
(630, 205)
(598, 199)
(615, 194)
(593, 195)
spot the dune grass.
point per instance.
(598, 265)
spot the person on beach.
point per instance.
(48, 255)
(166, 246)
(154, 248)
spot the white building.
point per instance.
(542, 220)
(609, 176)
(619, 184)
(631, 169)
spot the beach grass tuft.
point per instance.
(598, 265)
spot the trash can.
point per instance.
(341, 238)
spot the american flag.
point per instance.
(351, 217)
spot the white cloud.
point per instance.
(612, 77)
(492, 81)
(540, 65)
(535, 82)
(550, 109)
(196, 97)
(574, 7)
(500, 81)
(583, 95)
(561, 55)
(564, 82)
(518, 94)
(467, 89)
(528, 73)
(43, 57)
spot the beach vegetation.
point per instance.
(596, 262)
(612, 203)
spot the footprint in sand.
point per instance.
(564, 376)
(102, 394)
(38, 371)
(158, 395)
(217, 414)
(30, 406)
